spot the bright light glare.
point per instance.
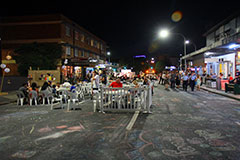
(208, 53)
(163, 33)
(232, 46)
(108, 53)
(187, 41)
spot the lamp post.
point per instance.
(195, 47)
(165, 33)
(4, 70)
(109, 53)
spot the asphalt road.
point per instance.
(183, 125)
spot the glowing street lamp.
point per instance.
(164, 33)
(195, 47)
(109, 53)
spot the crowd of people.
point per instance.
(172, 79)
(190, 78)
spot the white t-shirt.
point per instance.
(96, 81)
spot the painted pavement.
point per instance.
(184, 125)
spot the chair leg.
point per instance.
(43, 100)
(68, 105)
(18, 101)
(35, 102)
(30, 102)
(52, 104)
(48, 101)
(21, 100)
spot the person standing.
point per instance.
(166, 81)
(198, 82)
(192, 79)
(163, 77)
(185, 81)
(104, 78)
(173, 79)
(160, 78)
(95, 80)
(178, 77)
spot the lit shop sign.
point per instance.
(93, 60)
(140, 56)
(170, 67)
(101, 66)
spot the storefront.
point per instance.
(224, 64)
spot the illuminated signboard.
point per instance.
(140, 56)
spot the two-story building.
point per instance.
(81, 48)
(222, 51)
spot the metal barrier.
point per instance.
(123, 99)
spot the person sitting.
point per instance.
(230, 78)
(116, 84)
(73, 87)
(237, 80)
(34, 87)
(46, 86)
(136, 85)
(23, 88)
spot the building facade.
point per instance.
(222, 51)
(81, 48)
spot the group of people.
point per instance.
(175, 78)
(47, 86)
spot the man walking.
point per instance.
(192, 80)
(185, 81)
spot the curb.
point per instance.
(4, 103)
(222, 94)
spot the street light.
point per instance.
(164, 33)
(195, 47)
(109, 53)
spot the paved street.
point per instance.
(184, 125)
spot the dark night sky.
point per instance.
(130, 27)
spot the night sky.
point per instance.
(131, 27)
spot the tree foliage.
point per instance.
(160, 66)
(44, 56)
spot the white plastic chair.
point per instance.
(73, 97)
(45, 95)
(20, 98)
(33, 96)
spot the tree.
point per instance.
(160, 66)
(37, 55)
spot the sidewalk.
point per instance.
(221, 92)
(9, 98)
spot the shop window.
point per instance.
(92, 42)
(76, 35)
(76, 52)
(82, 53)
(68, 31)
(68, 50)
(87, 54)
(82, 37)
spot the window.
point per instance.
(87, 54)
(76, 52)
(82, 53)
(82, 37)
(238, 21)
(92, 41)
(68, 50)
(68, 31)
(76, 35)
(98, 45)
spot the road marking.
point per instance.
(238, 123)
(131, 123)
